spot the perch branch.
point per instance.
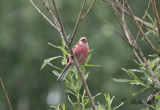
(63, 34)
(75, 60)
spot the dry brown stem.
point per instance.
(6, 95)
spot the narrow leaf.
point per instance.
(139, 91)
(56, 73)
(86, 102)
(48, 60)
(121, 80)
(63, 106)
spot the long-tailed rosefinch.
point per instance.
(81, 52)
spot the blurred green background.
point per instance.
(24, 35)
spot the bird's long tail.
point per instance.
(62, 76)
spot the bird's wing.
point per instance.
(72, 49)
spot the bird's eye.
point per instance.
(83, 39)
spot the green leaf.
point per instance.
(73, 104)
(136, 70)
(53, 45)
(63, 106)
(86, 76)
(120, 80)
(153, 56)
(54, 66)
(48, 60)
(91, 65)
(151, 20)
(131, 74)
(97, 95)
(86, 102)
(91, 50)
(69, 91)
(158, 104)
(56, 73)
(139, 91)
(115, 108)
(99, 108)
(63, 50)
(56, 107)
(87, 60)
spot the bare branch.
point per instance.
(145, 37)
(77, 23)
(88, 10)
(130, 40)
(119, 6)
(143, 18)
(80, 18)
(156, 14)
(48, 20)
(6, 95)
(51, 14)
(62, 31)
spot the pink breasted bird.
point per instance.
(80, 50)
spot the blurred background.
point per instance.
(24, 37)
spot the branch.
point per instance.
(62, 31)
(88, 10)
(5, 92)
(51, 14)
(143, 18)
(80, 18)
(145, 37)
(131, 41)
(119, 6)
(77, 23)
(156, 14)
(48, 20)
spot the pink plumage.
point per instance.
(80, 50)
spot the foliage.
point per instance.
(74, 85)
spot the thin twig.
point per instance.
(119, 6)
(130, 38)
(145, 37)
(143, 18)
(77, 23)
(51, 14)
(48, 20)
(62, 32)
(156, 14)
(6, 95)
(88, 10)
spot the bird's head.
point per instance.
(83, 41)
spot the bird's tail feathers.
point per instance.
(62, 76)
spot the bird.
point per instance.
(80, 50)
